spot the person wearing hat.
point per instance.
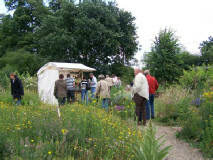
(93, 84)
(102, 90)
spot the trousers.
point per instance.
(140, 103)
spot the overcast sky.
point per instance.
(191, 19)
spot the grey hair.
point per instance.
(137, 69)
(101, 76)
(146, 72)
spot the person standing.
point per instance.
(84, 92)
(17, 89)
(140, 94)
(118, 83)
(71, 89)
(114, 80)
(102, 90)
(60, 90)
(153, 86)
(110, 81)
(93, 84)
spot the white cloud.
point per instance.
(191, 19)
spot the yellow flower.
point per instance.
(49, 152)
(72, 110)
(64, 131)
(32, 140)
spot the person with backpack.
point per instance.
(17, 89)
(84, 89)
(71, 89)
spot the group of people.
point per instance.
(66, 88)
(143, 93)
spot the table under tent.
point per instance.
(49, 73)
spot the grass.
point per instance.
(35, 131)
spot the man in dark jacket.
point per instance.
(17, 90)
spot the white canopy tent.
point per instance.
(49, 73)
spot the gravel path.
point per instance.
(180, 150)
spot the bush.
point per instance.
(197, 77)
(168, 105)
(23, 61)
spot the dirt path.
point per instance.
(180, 150)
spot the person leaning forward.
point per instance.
(140, 94)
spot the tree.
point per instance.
(92, 33)
(17, 30)
(190, 60)
(23, 61)
(164, 61)
(207, 51)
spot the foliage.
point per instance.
(189, 60)
(197, 77)
(169, 105)
(191, 110)
(92, 33)
(81, 132)
(207, 51)
(95, 33)
(164, 61)
(151, 152)
(22, 60)
(122, 103)
(4, 74)
(17, 30)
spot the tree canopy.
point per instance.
(164, 61)
(92, 32)
(207, 51)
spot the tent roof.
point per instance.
(73, 67)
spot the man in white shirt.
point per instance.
(114, 80)
(93, 84)
(140, 95)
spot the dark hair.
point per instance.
(84, 77)
(113, 75)
(68, 75)
(61, 76)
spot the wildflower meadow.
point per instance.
(39, 131)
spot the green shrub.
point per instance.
(150, 147)
(196, 77)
